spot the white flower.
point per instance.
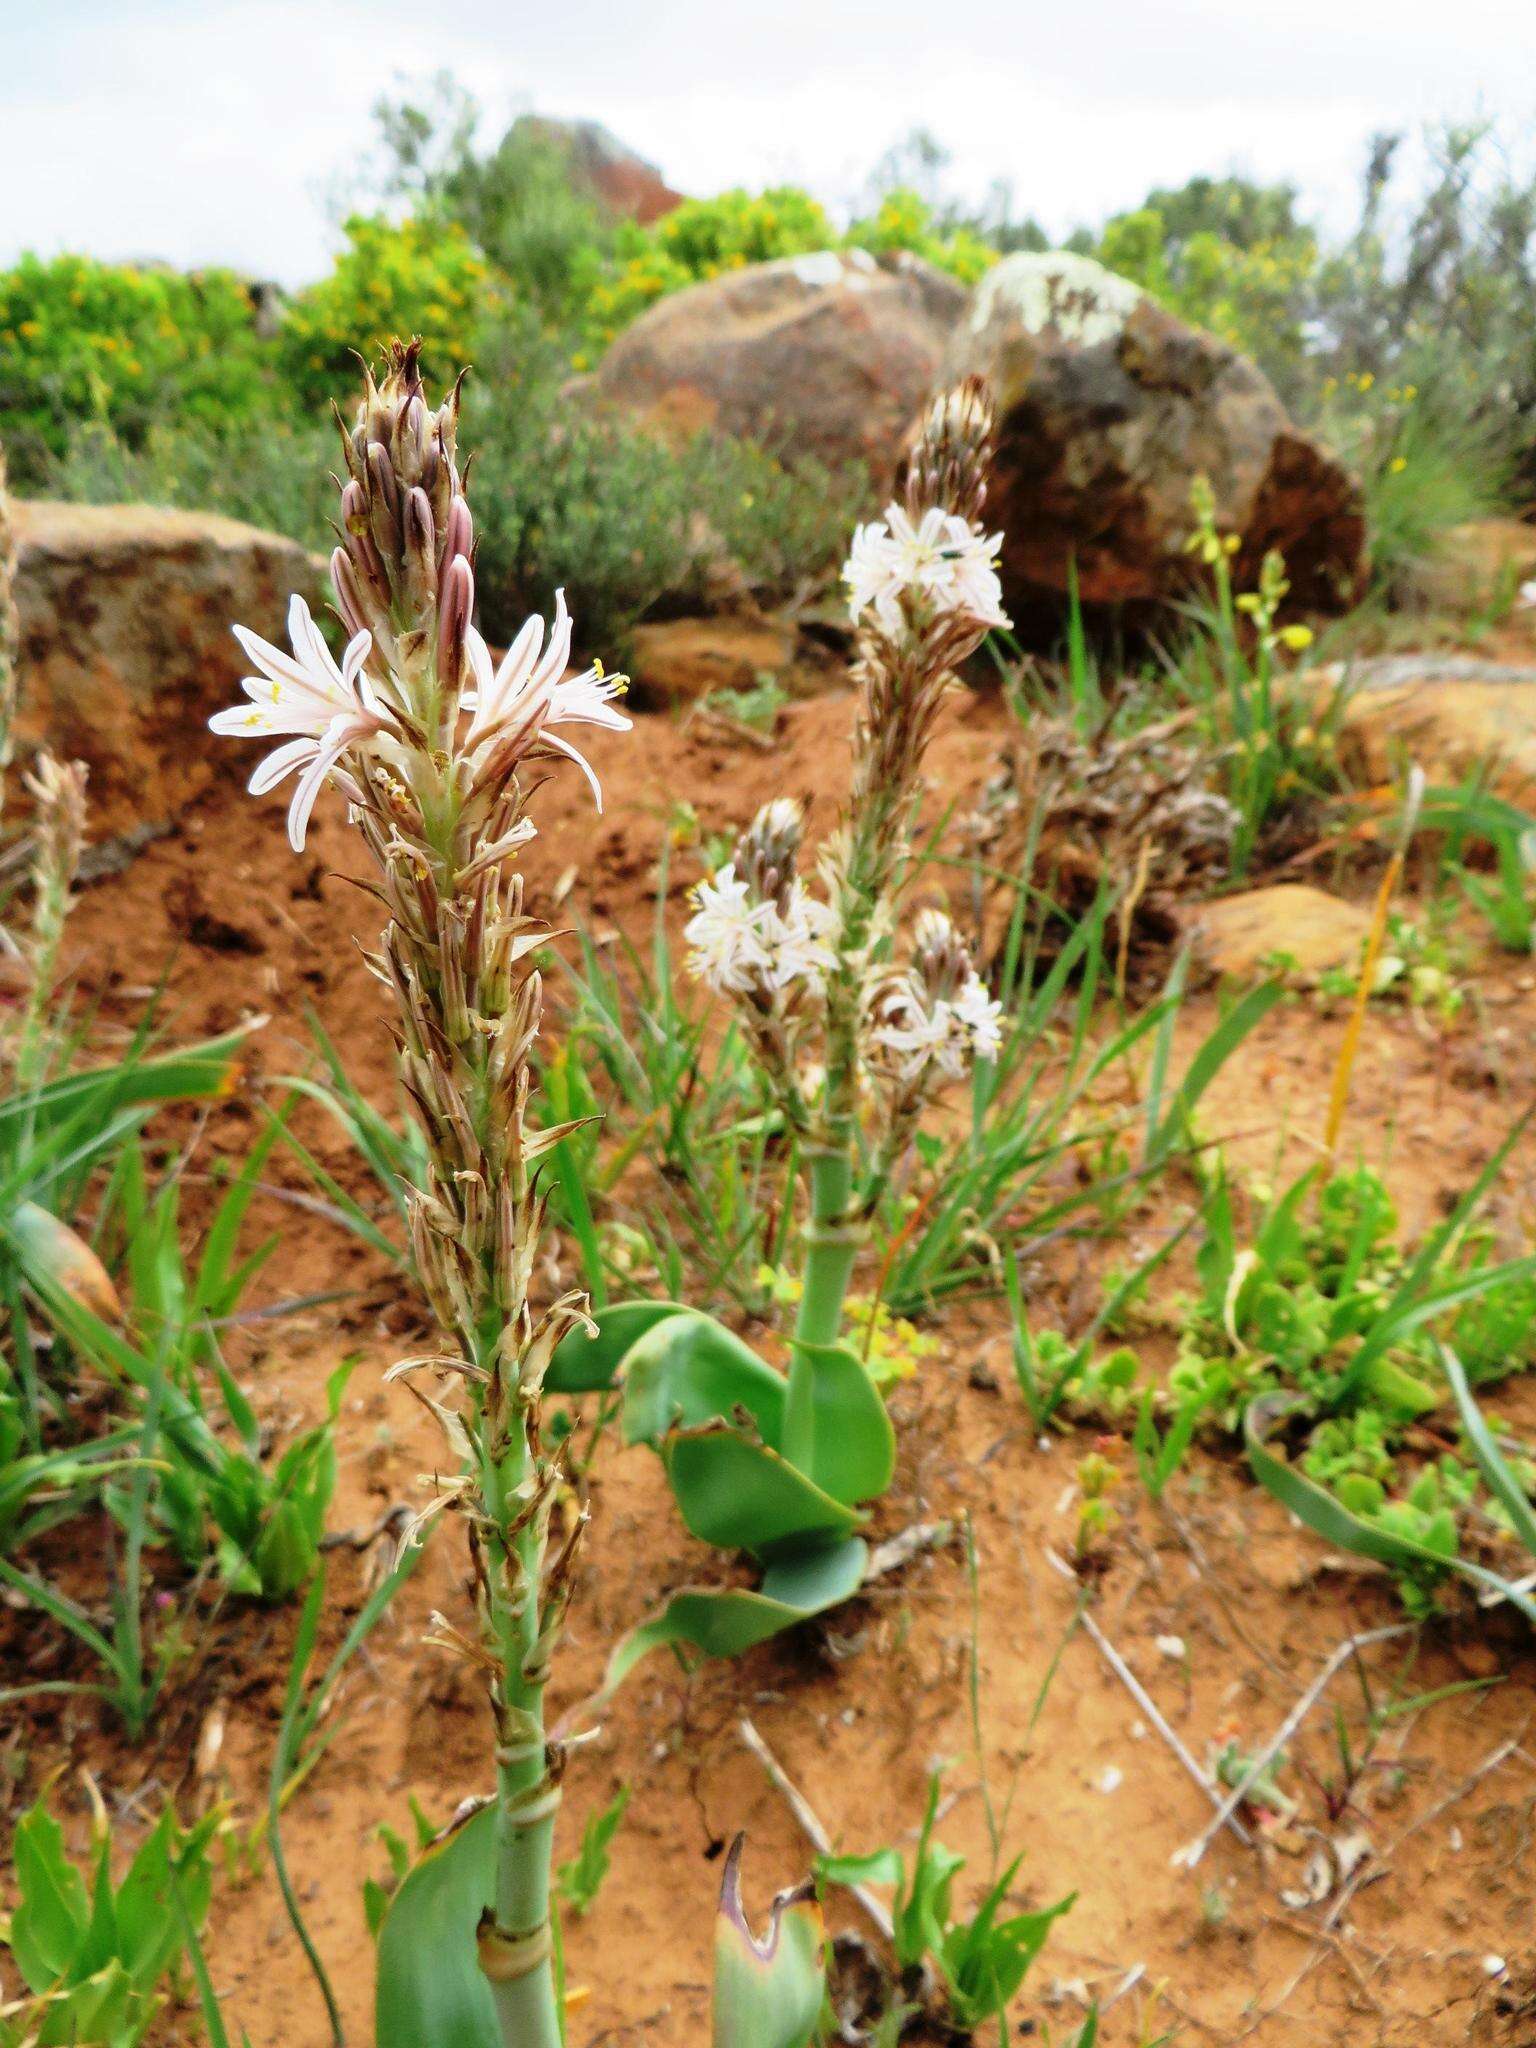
(797, 941)
(980, 1017)
(942, 561)
(743, 944)
(321, 708)
(914, 1034)
(516, 704)
(946, 1033)
(726, 933)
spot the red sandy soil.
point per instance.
(858, 1712)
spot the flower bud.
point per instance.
(458, 531)
(420, 548)
(349, 600)
(354, 507)
(454, 614)
(384, 502)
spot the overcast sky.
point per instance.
(218, 131)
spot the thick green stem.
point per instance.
(518, 1953)
(832, 1241)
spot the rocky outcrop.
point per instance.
(623, 184)
(827, 355)
(1109, 407)
(125, 644)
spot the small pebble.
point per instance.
(1172, 1647)
(1494, 1966)
(1112, 1779)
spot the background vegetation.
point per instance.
(1407, 344)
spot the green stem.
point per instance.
(832, 1241)
(520, 1952)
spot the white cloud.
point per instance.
(206, 133)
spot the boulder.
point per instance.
(1245, 936)
(680, 661)
(1451, 715)
(126, 648)
(1109, 408)
(827, 355)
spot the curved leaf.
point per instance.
(430, 1991)
(1326, 1516)
(855, 1452)
(1502, 1483)
(51, 1252)
(741, 1495)
(723, 1624)
(689, 1370)
(583, 1364)
(768, 1993)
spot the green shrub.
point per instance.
(627, 524)
(415, 276)
(524, 204)
(1252, 295)
(1425, 467)
(701, 239)
(272, 475)
(905, 220)
(110, 342)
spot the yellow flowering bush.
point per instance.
(416, 276)
(119, 344)
(904, 220)
(1251, 295)
(700, 239)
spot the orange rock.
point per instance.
(678, 661)
(1241, 935)
(126, 648)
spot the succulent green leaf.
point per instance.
(768, 1994)
(723, 1624)
(689, 1370)
(584, 1364)
(742, 1495)
(855, 1444)
(430, 1991)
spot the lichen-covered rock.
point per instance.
(826, 355)
(125, 644)
(1108, 409)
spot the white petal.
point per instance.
(280, 762)
(309, 643)
(359, 647)
(312, 781)
(552, 739)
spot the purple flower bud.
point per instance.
(458, 532)
(385, 500)
(454, 613)
(420, 534)
(354, 507)
(348, 597)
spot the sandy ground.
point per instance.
(860, 1711)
